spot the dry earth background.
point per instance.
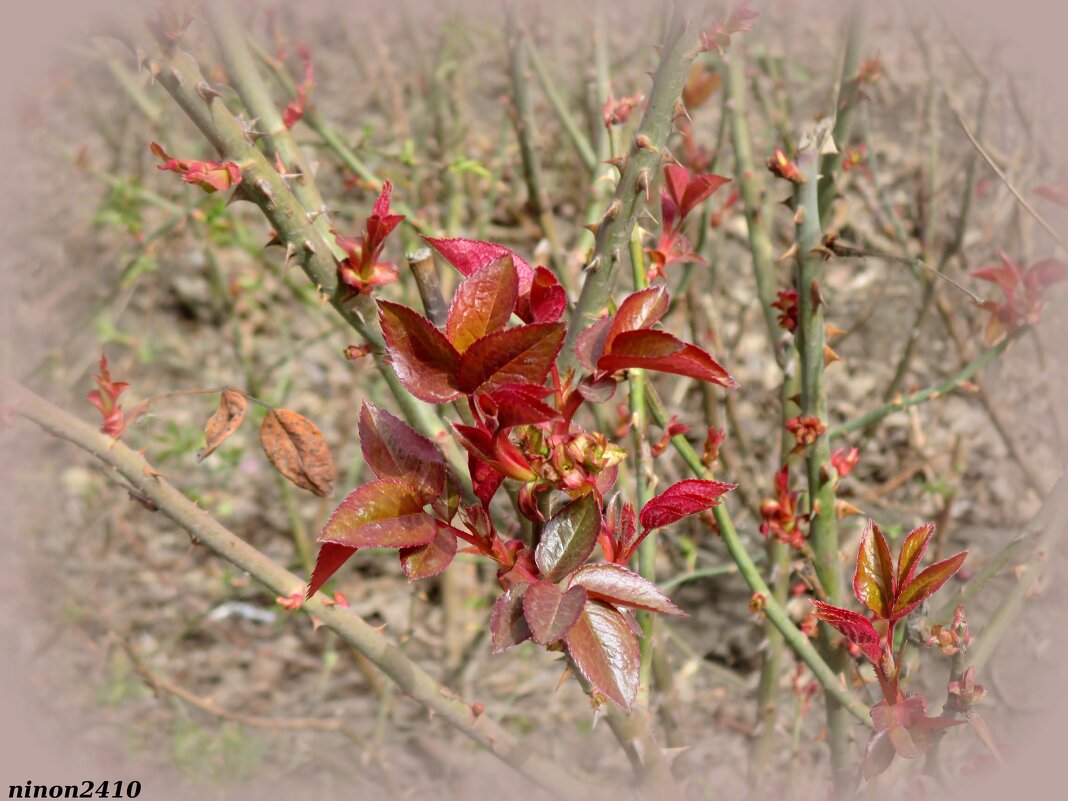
(89, 568)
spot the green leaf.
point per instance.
(568, 538)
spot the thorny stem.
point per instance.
(638, 174)
(180, 76)
(246, 79)
(1049, 522)
(204, 529)
(939, 390)
(823, 521)
(845, 110)
(832, 683)
(525, 121)
(643, 475)
(760, 247)
(552, 94)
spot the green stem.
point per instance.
(823, 521)
(833, 684)
(638, 175)
(939, 390)
(571, 127)
(847, 102)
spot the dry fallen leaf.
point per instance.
(225, 421)
(298, 451)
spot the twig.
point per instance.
(637, 176)
(832, 683)
(409, 677)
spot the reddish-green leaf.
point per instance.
(912, 549)
(853, 626)
(386, 513)
(617, 585)
(508, 626)
(638, 311)
(520, 355)
(627, 537)
(568, 538)
(660, 351)
(423, 358)
(878, 755)
(296, 448)
(424, 561)
(225, 421)
(591, 342)
(874, 582)
(331, 557)
(518, 404)
(551, 613)
(926, 584)
(393, 449)
(483, 303)
(605, 651)
(681, 500)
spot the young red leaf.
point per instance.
(224, 422)
(106, 399)
(296, 448)
(590, 344)
(568, 538)
(681, 500)
(551, 613)
(853, 626)
(386, 513)
(424, 561)
(912, 550)
(926, 584)
(423, 358)
(517, 355)
(638, 311)
(546, 302)
(518, 404)
(483, 303)
(393, 449)
(485, 480)
(604, 649)
(627, 538)
(874, 582)
(665, 353)
(331, 557)
(508, 626)
(621, 587)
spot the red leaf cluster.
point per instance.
(891, 591)
(106, 399)
(1023, 291)
(682, 193)
(211, 176)
(361, 270)
(739, 20)
(294, 110)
